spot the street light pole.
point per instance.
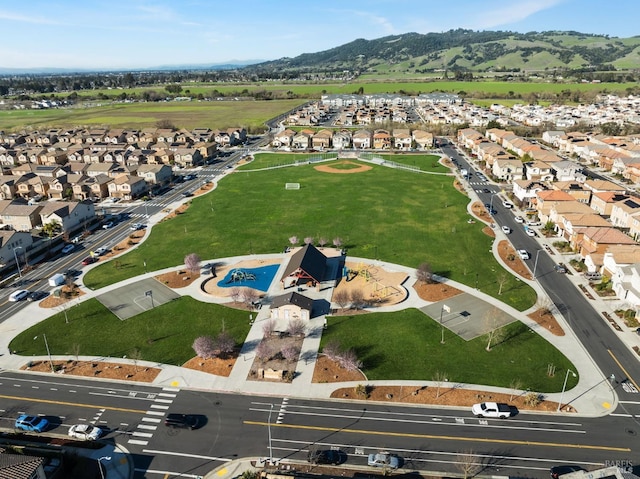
(16, 257)
(270, 449)
(106, 458)
(535, 264)
(48, 351)
(566, 376)
(441, 327)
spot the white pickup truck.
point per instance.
(492, 409)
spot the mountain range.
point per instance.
(468, 50)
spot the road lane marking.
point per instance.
(141, 434)
(168, 473)
(166, 401)
(154, 413)
(629, 378)
(183, 454)
(167, 395)
(147, 427)
(136, 441)
(449, 438)
(66, 403)
(159, 406)
(151, 419)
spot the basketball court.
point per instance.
(135, 298)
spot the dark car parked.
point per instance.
(325, 456)
(184, 421)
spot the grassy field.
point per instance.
(220, 114)
(408, 218)
(406, 345)
(164, 334)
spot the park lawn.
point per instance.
(408, 218)
(406, 346)
(271, 160)
(171, 327)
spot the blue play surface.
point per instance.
(256, 278)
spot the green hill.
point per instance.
(468, 50)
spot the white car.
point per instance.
(533, 223)
(519, 219)
(524, 254)
(107, 225)
(18, 295)
(101, 251)
(507, 204)
(530, 232)
(506, 230)
(86, 432)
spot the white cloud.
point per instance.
(512, 13)
(15, 17)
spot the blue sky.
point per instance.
(132, 34)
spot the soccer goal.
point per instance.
(292, 186)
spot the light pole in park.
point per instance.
(46, 345)
(448, 310)
(564, 386)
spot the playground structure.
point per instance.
(379, 291)
(238, 276)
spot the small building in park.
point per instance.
(306, 266)
(291, 306)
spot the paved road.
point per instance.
(237, 426)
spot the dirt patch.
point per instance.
(479, 211)
(178, 211)
(435, 292)
(327, 371)
(512, 260)
(53, 302)
(217, 366)
(545, 319)
(129, 242)
(358, 168)
(178, 279)
(96, 369)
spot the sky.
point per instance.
(139, 34)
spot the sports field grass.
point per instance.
(408, 338)
(408, 218)
(164, 334)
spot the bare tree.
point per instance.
(515, 386)
(135, 355)
(308, 240)
(264, 351)
(467, 463)
(438, 378)
(495, 331)
(332, 349)
(337, 242)
(296, 327)
(204, 347)
(293, 240)
(322, 241)
(291, 352)
(192, 263)
(502, 279)
(424, 274)
(249, 296)
(341, 297)
(75, 349)
(235, 293)
(349, 360)
(268, 328)
(357, 298)
(545, 305)
(224, 344)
